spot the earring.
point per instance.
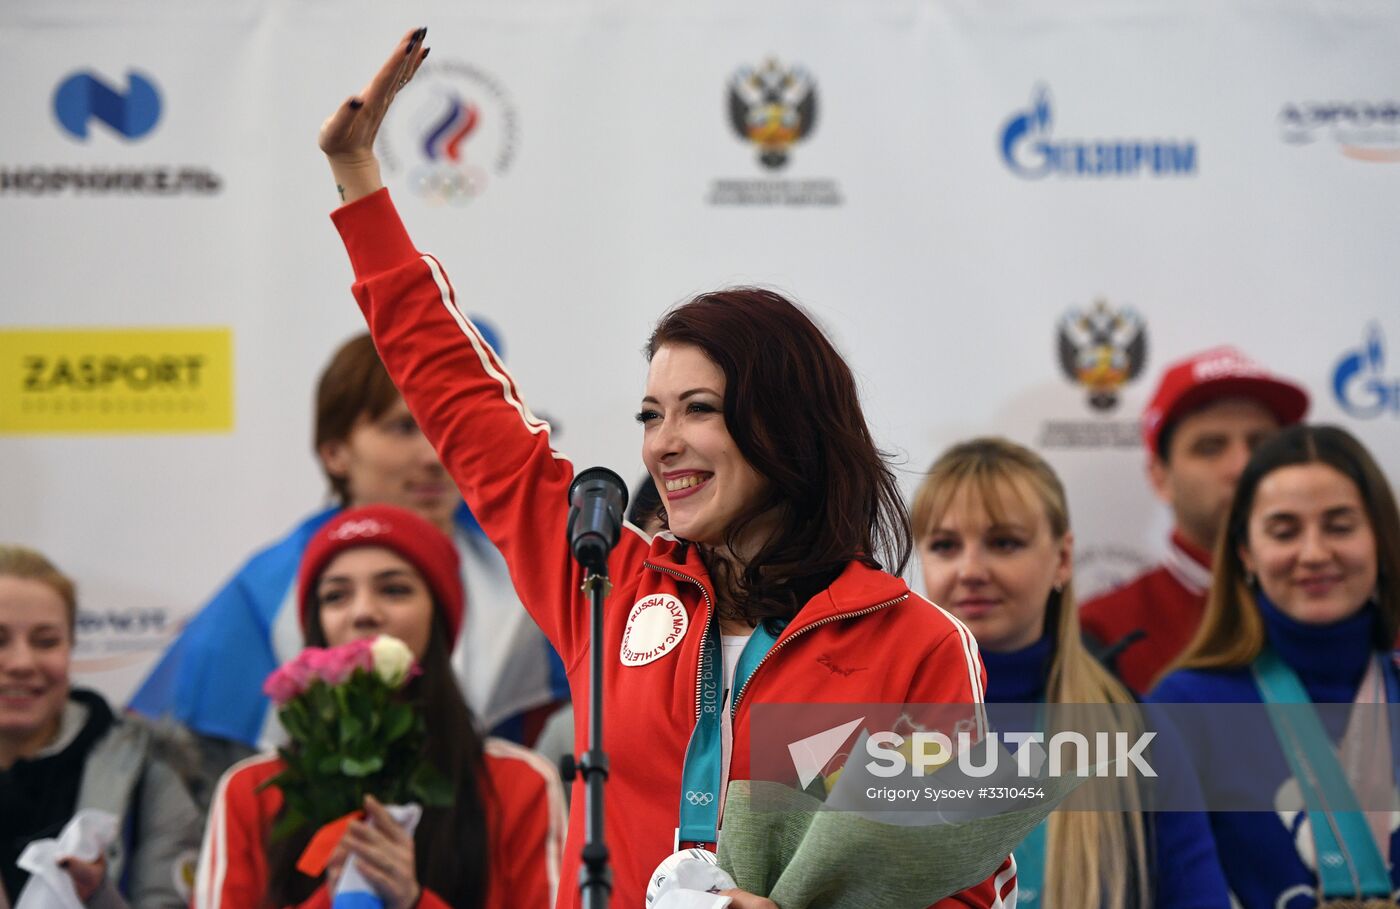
(1249, 579)
(1060, 588)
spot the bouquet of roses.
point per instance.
(352, 733)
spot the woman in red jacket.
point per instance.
(768, 584)
(383, 570)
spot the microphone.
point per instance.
(597, 499)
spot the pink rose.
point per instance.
(335, 665)
(300, 671)
(361, 654)
(322, 664)
(282, 686)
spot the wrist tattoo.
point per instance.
(340, 189)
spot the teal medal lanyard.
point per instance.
(1030, 866)
(1349, 864)
(1030, 855)
(701, 782)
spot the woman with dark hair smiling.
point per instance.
(1303, 609)
(770, 581)
(385, 570)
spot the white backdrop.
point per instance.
(598, 168)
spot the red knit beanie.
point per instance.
(414, 539)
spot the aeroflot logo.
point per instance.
(1030, 150)
(85, 96)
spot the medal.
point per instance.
(668, 866)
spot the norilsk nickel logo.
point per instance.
(655, 626)
(453, 133)
(87, 96)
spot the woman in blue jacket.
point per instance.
(1303, 609)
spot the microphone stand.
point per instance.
(595, 878)
(597, 500)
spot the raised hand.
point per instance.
(347, 136)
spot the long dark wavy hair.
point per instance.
(450, 845)
(790, 403)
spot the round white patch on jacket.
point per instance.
(655, 626)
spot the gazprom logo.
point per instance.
(1030, 150)
(1359, 380)
(85, 96)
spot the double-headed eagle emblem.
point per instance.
(1102, 349)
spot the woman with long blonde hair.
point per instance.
(992, 527)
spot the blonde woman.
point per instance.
(1305, 597)
(62, 750)
(993, 534)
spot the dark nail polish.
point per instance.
(426, 51)
(356, 104)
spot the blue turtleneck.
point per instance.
(1018, 677)
(1258, 849)
(1330, 659)
(1182, 840)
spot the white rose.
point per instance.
(392, 659)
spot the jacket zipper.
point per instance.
(734, 703)
(704, 636)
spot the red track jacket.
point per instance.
(499, 454)
(525, 819)
(1166, 604)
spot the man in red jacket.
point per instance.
(1204, 420)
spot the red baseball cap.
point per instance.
(1221, 372)
(415, 539)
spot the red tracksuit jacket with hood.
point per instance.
(499, 454)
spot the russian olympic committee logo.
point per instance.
(85, 96)
(773, 107)
(453, 132)
(1102, 349)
